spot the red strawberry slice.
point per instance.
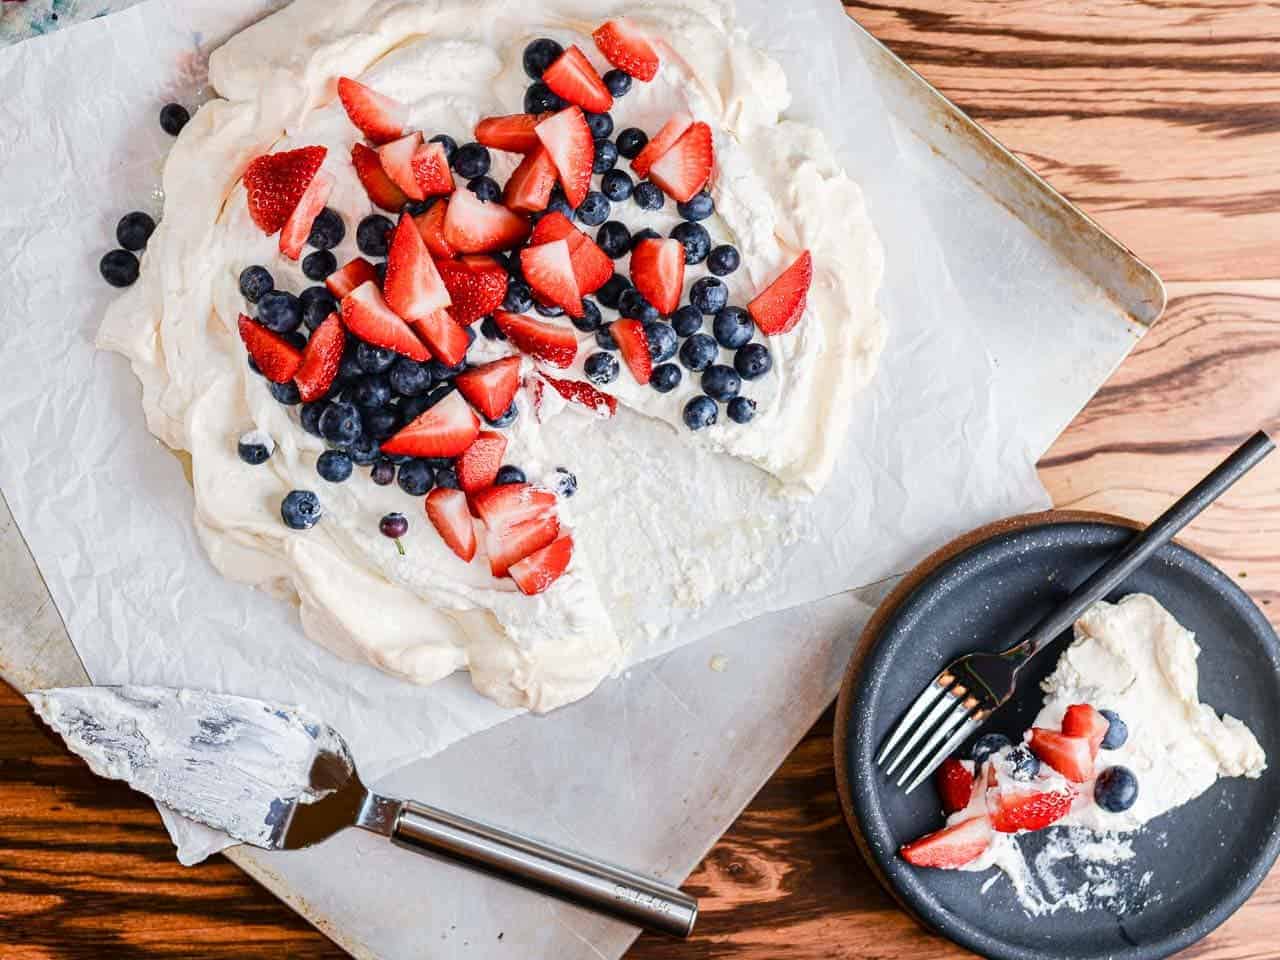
(955, 784)
(276, 182)
(529, 189)
(574, 78)
(584, 394)
(513, 133)
(431, 226)
(1014, 810)
(445, 430)
(396, 158)
(293, 236)
(276, 357)
(431, 170)
(540, 569)
(952, 847)
(779, 308)
(634, 346)
(540, 339)
(554, 226)
(477, 468)
(448, 513)
(592, 267)
(491, 387)
(1070, 756)
(662, 141)
(548, 269)
(376, 115)
(627, 48)
(1081, 720)
(519, 519)
(685, 169)
(473, 226)
(477, 285)
(349, 276)
(413, 287)
(568, 139)
(377, 184)
(320, 359)
(446, 337)
(657, 270)
(368, 317)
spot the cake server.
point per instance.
(278, 778)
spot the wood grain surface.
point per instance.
(1162, 119)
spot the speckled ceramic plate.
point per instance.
(1191, 868)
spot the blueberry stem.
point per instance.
(400, 546)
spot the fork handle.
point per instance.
(1138, 550)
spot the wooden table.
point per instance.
(1161, 119)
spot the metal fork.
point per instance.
(961, 698)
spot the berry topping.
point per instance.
(1116, 789)
(318, 264)
(350, 276)
(631, 141)
(119, 268)
(1081, 720)
(473, 226)
(708, 294)
(564, 483)
(173, 117)
(394, 526)
(380, 188)
(648, 196)
(477, 285)
(519, 519)
(687, 320)
(300, 510)
(510, 474)
(952, 847)
(696, 240)
(371, 359)
(444, 430)
(430, 169)
(540, 99)
(594, 209)
(447, 510)
(486, 188)
(548, 342)
(529, 188)
(431, 226)
(254, 282)
(779, 308)
(548, 269)
(662, 340)
(327, 230)
(255, 447)
(1117, 731)
(490, 388)
(471, 160)
(585, 395)
(279, 311)
(665, 377)
(285, 393)
(732, 327)
(634, 346)
(413, 287)
(601, 368)
(685, 168)
(397, 159)
(723, 260)
(574, 79)
(614, 239)
(373, 235)
(616, 185)
(698, 207)
(617, 82)
(538, 571)
(1070, 756)
(276, 357)
(1022, 764)
(416, 477)
(368, 317)
(334, 466)
(700, 412)
(539, 55)
(955, 784)
(275, 183)
(134, 230)
(753, 361)
(320, 360)
(663, 141)
(513, 133)
(340, 423)
(383, 473)
(720, 382)
(986, 745)
(447, 338)
(1014, 810)
(698, 352)
(377, 116)
(477, 468)
(626, 47)
(657, 270)
(568, 139)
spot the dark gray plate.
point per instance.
(1205, 858)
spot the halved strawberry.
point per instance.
(275, 182)
(529, 188)
(592, 267)
(634, 346)
(477, 468)
(568, 139)
(540, 339)
(584, 394)
(657, 270)
(293, 236)
(685, 169)
(1081, 720)
(627, 48)
(320, 359)
(477, 284)
(376, 115)
(396, 158)
(548, 269)
(276, 357)
(554, 226)
(380, 188)
(1070, 756)
(519, 519)
(431, 170)
(445, 430)
(1014, 810)
(349, 276)
(513, 133)
(573, 78)
(473, 226)
(781, 305)
(368, 317)
(662, 141)
(955, 784)
(413, 287)
(431, 226)
(448, 513)
(540, 569)
(491, 387)
(951, 847)
(446, 337)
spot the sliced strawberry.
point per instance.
(448, 513)
(1081, 720)
(685, 169)
(657, 270)
(413, 287)
(573, 78)
(431, 226)
(662, 141)
(276, 357)
(320, 359)
(627, 48)
(446, 337)
(568, 139)
(477, 468)
(542, 340)
(634, 346)
(955, 784)
(396, 158)
(349, 276)
(529, 188)
(276, 182)
(380, 188)
(431, 170)
(540, 569)
(513, 133)
(473, 226)
(1070, 756)
(368, 317)
(293, 236)
(554, 226)
(519, 519)
(1014, 810)
(781, 305)
(477, 285)
(376, 115)
(491, 387)
(445, 430)
(592, 267)
(548, 269)
(952, 847)
(584, 394)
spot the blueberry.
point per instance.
(519, 298)
(486, 188)
(296, 338)
(723, 260)
(373, 235)
(255, 447)
(606, 156)
(539, 98)
(548, 309)
(372, 390)
(698, 207)
(319, 264)
(1116, 789)
(600, 124)
(349, 370)
(709, 295)
(447, 477)
(300, 510)
(648, 196)
(416, 208)
(394, 526)
(539, 55)
(687, 320)
(364, 451)
(696, 240)
(700, 412)
(741, 409)
(1023, 764)
(753, 361)
(631, 141)
(379, 422)
(471, 160)
(327, 230)
(662, 340)
(340, 423)
(698, 352)
(286, 393)
(601, 368)
(616, 185)
(618, 82)
(450, 145)
(409, 378)
(173, 117)
(489, 326)
(645, 233)
(665, 377)
(590, 319)
(612, 290)
(614, 238)
(134, 230)
(559, 203)
(508, 417)
(316, 303)
(732, 327)
(1117, 732)
(442, 372)
(509, 474)
(383, 472)
(280, 311)
(594, 209)
(380, 271)
(604, 339)
(119, 268)
(416, 477)
(721, 382)
(986, 745)
(633, 305)
(310, 416)
(334, 466)
(374, 359)
(254, 282)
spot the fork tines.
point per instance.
(942, 718)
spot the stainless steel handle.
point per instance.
(589, 883)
